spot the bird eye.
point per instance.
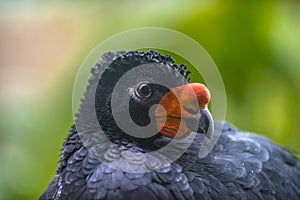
(144, 90)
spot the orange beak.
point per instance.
(184, 110)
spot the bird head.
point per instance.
(172, 109)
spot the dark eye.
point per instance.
(144, 90)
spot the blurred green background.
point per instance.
(255, 44)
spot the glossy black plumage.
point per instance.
(240, 166)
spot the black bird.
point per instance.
(114, 164)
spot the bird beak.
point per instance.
(206, 123)
(183, 110)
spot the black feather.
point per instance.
(240, 166)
